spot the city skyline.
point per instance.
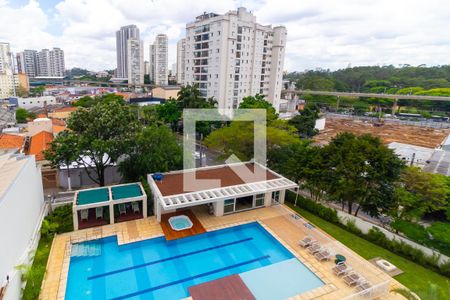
(321, 34)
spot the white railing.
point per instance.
(376, 291)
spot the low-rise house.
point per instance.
(62, 113)
(11, 142)
(166, 92)
(30, 102)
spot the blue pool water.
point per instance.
(157, 269)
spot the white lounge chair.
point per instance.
(313, 248)
(352, 279)
(84, 214)
(135, 207)
(323, 254)
(341, 268)
(306, 241)
(122, 209)
(99, 212)
(363, 285)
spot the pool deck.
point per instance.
(279, 220)
(227, 288)
(170, 234)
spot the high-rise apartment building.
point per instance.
(231, 56)
(122, 36)
(135, 56)
(50, 63)
(27, 62)
(181, 55)
(7, 80)
(159, 70)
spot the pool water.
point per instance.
(180, 222)
(158, 269)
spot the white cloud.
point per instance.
(321, 33)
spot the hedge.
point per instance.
(374, 235)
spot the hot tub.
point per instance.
(181, 222)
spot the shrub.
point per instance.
(413, 231)
(351, 226)
(318, 209)
(441, 232)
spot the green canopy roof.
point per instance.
(93, 196)
(126, 191)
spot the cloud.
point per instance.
(326, 33)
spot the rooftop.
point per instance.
(172, 183)
(40, 142)
(10, 166)
(11, 141)
(101, 194)
(92, 196)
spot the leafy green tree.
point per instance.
(305, 122)
(363, 171)
(155, 150)
(170, 113)
(104, 133)
(421, 192)
(22, 115)
(63, 150)
(38, 91)
(85, 101)
(259, 102)
(237, 139)
(190, 96)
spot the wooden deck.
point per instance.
(171, 234)
(226, 288)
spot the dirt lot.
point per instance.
(425, 137)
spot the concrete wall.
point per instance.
(79, 177)
(42, 124)
(21, 211)
(365, 226)
(320, 124)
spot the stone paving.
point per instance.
(279, 220)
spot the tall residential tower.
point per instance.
(181, 56)
(135, 56)
(122, 36)
(231, 56)
(159, 70)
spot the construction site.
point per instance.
(424, 136)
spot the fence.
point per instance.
(376, 291)
(426, 124)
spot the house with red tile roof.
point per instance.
(11, 141)
(40, 142)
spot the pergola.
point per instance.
(109, 196)
(166, 202)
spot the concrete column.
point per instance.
(158, 211)
(282, 195)
(268, 199)
(111, 213)
(394, 107)
(218, 208)
(144, 207)
(75, 217)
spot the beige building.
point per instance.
(165, 92)
(135, 56)
(231, 56)
(159, 70)
(181, 56)
(7, 80)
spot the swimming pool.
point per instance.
(157, 269)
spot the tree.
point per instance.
(22, 115)
(305, 122)
(104, 133)
(190, 96)
(258, 101)
(237, 139)
(362, 171)
(155, 150)
(85, 101)
(63, 150)
(39, 90)
(421, 192)
(170, 113)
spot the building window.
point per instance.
(259, 200)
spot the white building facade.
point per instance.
(135, 62)
(50, 63)
(7, 80)
(159, 70)
(21, 211)
(122, 36)
(181, 65)
(27, 63)
(231, 56)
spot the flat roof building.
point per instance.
(228, 188)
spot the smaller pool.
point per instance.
(180, 222)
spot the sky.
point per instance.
(327, 34)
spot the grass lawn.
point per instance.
(415, 277)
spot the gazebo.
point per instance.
(108, 205)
